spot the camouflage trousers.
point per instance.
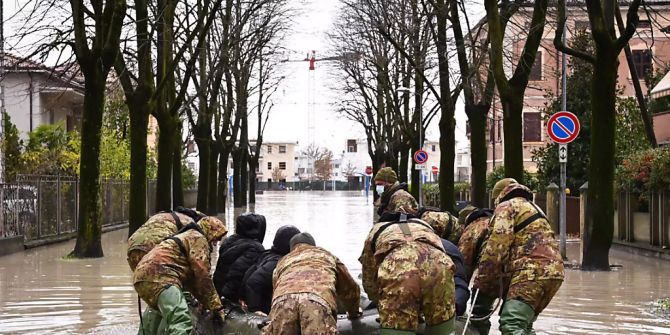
(536, 294)
(415, 279)
(300, 313)
(134, 257)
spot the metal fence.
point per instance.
(43, 206)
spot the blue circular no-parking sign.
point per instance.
(420, 157)
(563, 127)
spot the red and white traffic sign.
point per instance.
(420, 156)
(563, 127)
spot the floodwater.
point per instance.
(40, 293)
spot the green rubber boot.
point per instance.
(385, 331)
(151, 319)
(174, 310)
(516, 318)
(444, 328)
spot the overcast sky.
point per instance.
(288, 121)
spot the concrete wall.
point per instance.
(19, 96)
(662, 127)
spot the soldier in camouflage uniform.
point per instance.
(408, 274)
(444, 224)
(393, 195)
(155, 230)
(476, 222)
(521, 258)
(180, 262)
(306, 283)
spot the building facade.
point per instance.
(36, 94)
(650, 47)
(277, 162)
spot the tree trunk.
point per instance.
(404, 164)
(177, 180)
(204, 160)
(237, 184)
(600, 208)
(164, 169)
(137, 204)
(253, 164)
(88, 243)
(513, 132)
(478, 153)
(213, 188)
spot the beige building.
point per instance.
(276, 162)
(648, 53)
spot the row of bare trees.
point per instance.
(208, 65)
(415, 55)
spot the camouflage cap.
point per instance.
(213, 228)
(387, 175)
(463, 214)
(500, 185)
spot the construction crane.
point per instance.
(311, 87)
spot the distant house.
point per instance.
(36, 94)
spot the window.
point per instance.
(644, 24)
(337, 166)
(536, 69)
(432, 147)
(532, 127)
(269, 165)
(282, 165)
(301, 170)
(269, 149)
(351, 146)
(282, 149)
(642, 61)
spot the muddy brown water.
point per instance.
(40, 293)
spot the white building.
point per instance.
(463, 168)
(277, 162)
(36, 94)
(354, 159)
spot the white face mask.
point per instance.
(379, 189)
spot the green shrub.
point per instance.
(529, 179)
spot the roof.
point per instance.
(662, 88)
(68, 73)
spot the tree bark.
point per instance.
(404, 164)
(222, 191)
(137, 205)
(213, 187)
(513, 135)
(600, 207)
(204, 159)
(253, 164)
(237, 184)
(478, 154)
(164, 169)
(177, 178)
(88, 243)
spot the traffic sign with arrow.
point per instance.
(563, 153)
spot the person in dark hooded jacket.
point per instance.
(237, 254)
(257, 282)
(461, 279)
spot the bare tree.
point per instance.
(323, 166)
(600, 207)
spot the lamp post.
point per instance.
(406, 90)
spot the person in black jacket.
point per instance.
(237, 253)
(461, 279)
(257, 282)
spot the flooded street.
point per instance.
(40, 293)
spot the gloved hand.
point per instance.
(355, 315)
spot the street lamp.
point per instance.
(406, 90)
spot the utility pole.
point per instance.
(564, 107)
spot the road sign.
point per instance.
(435, 169)
(420, 157)
(563, 127)
(420, 167)
(562, 153)
(368, 170)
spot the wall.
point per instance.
(18, 100)
(275, 158)
(662, 127)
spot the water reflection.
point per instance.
(40, 293)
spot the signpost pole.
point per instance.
(420, 148)
(562, 157)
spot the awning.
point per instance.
(662, 88)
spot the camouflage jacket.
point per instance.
(155, 230)
(189, 269)
(390, 238)
(471, 242)
(397, 199)
(445, 225)
(529, 254)
(310, 269)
